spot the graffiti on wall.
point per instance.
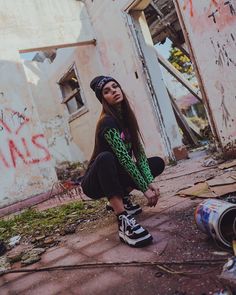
(16, 146)
(218, 12)
(213, 22)
(223, 55)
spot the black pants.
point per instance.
(107, 178)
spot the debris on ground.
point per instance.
(32, 256)
(229, 273)
(14, 241)
(3, 248)
(4, 264)
(227, 165)
(212, 188)
(70, 171)
(37, 231)
(212, 162)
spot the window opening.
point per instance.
(71, 91)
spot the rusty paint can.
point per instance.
(217, 218)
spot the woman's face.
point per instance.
(112, 93)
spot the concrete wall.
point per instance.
(165, 117)
(25, 161)
(68, 139)
(120, 58)
(26, 166)
(31, 111)
(212, 24)
(43, 23)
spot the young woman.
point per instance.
(112, 171)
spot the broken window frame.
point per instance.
(72, 94)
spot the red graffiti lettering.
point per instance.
(15, 153)
(4, 125)
(190, 3)
(28, 154)
(16, 121)
(19, 128)
(34, 141)
(22, 120)
(4, 160)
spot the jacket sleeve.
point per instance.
(112, 136)
(143, 165)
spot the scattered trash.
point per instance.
(4, 264)
(218, 219)
(3, 248)
(14, 241)
(231, 199)
(212, 188)
(69, 229)
(224, 292)
(229, 272)
(220, 253)
(211, 162)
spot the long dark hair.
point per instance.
(128, 121)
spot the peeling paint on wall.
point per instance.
(213, 23)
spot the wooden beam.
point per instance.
(183, 124)
(157, 9)
(82, 43)
(174, 72)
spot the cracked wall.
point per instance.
(212, 23)
(26, 162)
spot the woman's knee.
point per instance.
(157, 165)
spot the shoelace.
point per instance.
(129, 221)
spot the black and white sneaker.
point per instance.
(131, 233)
(130, 208)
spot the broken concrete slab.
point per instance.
(200, 190)
(223, 179)
(224, 189)
(227, 165)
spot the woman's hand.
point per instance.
(154, 187)
(151, 197)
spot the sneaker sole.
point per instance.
(139, 243)
(130, 212)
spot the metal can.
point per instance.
(217, 218)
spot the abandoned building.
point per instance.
(48, 112)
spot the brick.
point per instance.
(45, 288)
(25, 282)
(54, 254)
(154, 220)
(70, 259)
(84, 241)
(101, 284)
(180, 153)
(101, 246)
(124, 253)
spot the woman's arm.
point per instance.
(143, 165)
(112, 136)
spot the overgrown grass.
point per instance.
(31, 222)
